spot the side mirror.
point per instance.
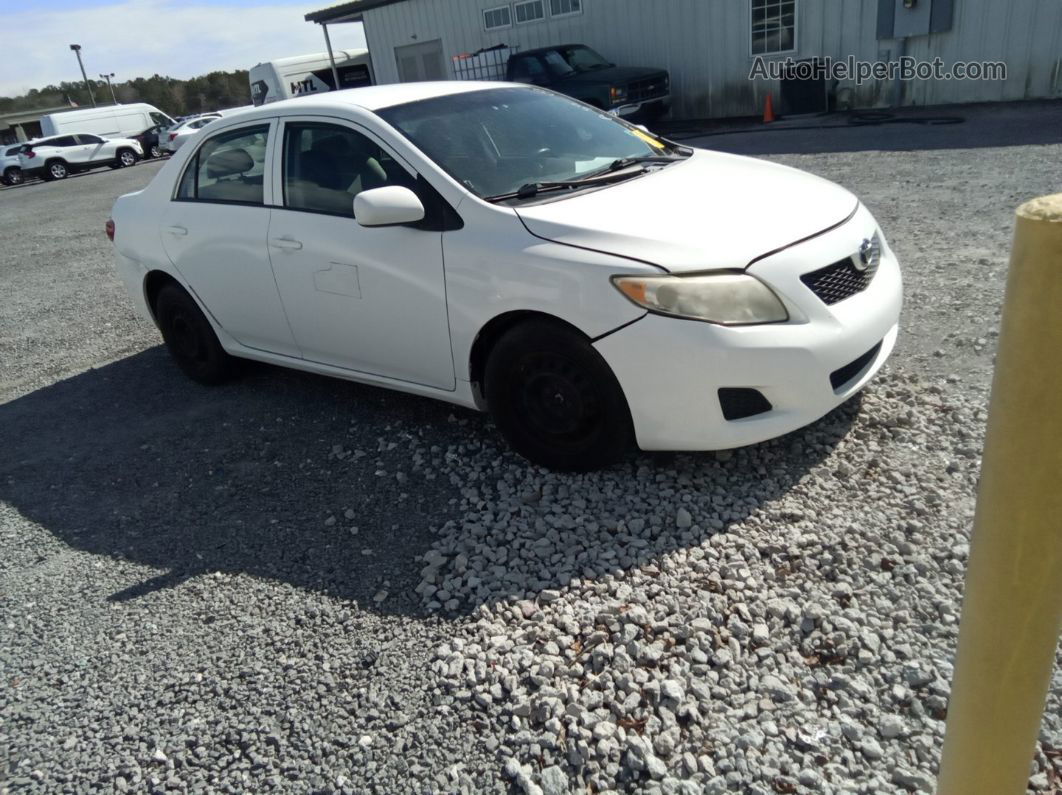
(387, 206)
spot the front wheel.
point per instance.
(556, 400)
(189, 337)
(126, 158)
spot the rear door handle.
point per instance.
(286, 243)
(179, 231)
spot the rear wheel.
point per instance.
(555, 399)
(56, 169)
(13, 175)
(189, 337)
(155, 151)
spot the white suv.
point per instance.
(10, 167)
(61, 155)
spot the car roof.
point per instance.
(539, 50)
(373, 98)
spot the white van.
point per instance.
(303, 75)
(112, 121)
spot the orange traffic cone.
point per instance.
(768, 110)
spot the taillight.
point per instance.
(172, 136)
(109, 229)
(31, 153)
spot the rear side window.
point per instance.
(228, 168)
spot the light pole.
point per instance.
(108, 79)
(77, 51)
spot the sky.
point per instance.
(139, 38)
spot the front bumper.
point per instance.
(648, 109)
(671, 370)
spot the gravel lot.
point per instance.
(297, 584)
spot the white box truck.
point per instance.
(303, 75)
(111, 121)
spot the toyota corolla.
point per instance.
(508, 249)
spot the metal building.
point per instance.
(710, 46)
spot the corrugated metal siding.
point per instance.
(705, 44)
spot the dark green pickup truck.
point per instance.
(631, 92)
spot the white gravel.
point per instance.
(294, 584)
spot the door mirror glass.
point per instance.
(387, 206)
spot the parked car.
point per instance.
(176, 135)
(59, 156)
(633, 92)
(149, 140)
(10, 165)
(110, 121)
(508, 249)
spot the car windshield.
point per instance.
(583, 59)
(497, 141)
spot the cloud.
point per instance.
(139, 38)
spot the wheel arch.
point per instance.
(154, 281)
(488, 336)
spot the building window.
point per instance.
(500, 17)
(562, 8)
(529, 11)
(773, 26)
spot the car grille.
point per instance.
(641, 90)
(839, 281)
(841, 377)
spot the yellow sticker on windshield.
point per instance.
(648, 138)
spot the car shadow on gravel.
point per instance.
(327, 485)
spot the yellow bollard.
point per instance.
(1012, 608)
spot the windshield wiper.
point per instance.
(532, 189)
(626, 162)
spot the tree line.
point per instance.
(213, 91)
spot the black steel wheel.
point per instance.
(189, 337)
(555, 400)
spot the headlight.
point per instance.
(731, 299)
(617, 94)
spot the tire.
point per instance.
(189, 337)
(556, 400)
(56, 169)
(155, 151)
(126, 158)
(13, 176)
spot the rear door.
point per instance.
(92, 148)
(214, 232)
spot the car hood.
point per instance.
(614, 75)
(711, 211)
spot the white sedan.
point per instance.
(509, 249)
(172, 140)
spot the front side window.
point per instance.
(773, 26)
(583, 59)
(160, 119)
(89, 139)
(326, 166)
(499, 17)
(496, 141)
(528, 70)
(64, 140)
(228, 168)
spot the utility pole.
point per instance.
(77, 51)
(108, 79)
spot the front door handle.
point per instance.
(286, 243)
(179, 231)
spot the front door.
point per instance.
(91, 149)
(214, 232)
(372, 300)
(421, 61)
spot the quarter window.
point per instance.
(500, 17)
(561, 8)
(773, 26)
(326, 166)
(529, 11)
(228, 168)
